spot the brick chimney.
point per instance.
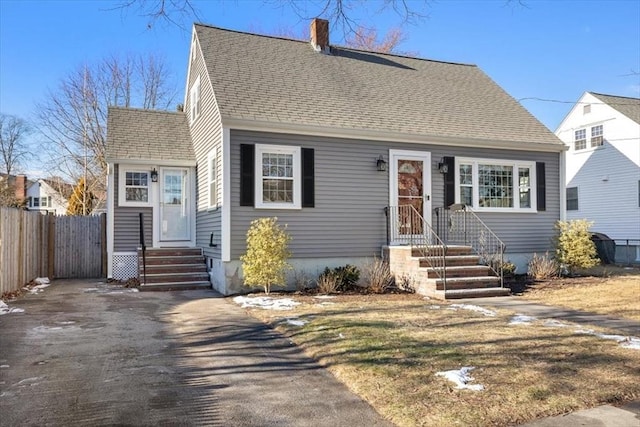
(320, 35)
(21, 187)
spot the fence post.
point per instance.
(51, 243)
(20, 249)
(103, 244)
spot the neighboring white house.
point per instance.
(48, 196)
(603, 168)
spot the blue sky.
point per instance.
(549, 50)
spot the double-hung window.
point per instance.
(495, 185)
(278, 177)
(596, 136)
(134, 187)
(580, 141)
(572, 198)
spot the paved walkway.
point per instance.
(601, 416)
(87, 353)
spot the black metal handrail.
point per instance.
(459, 224)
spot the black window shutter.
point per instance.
(450, 181)
(308, 178)
(541, 187)
(247, 183)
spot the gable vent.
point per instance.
(320, 35)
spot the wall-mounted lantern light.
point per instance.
(154, 175)
(443, 167)
(381, 164)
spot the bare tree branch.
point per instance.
(13, 149)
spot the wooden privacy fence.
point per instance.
(35, 245)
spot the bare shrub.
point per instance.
(328, 283)
(543, 267)
(301, 280)
(376, 276)
(405, 283)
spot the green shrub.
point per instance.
(574, 248)
(542, 267)
(346, 277)
(265, 262)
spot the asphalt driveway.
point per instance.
(89, 353)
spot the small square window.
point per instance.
(586, 109)
(278, 177)
(134, 187)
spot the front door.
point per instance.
(174, 205)
(410, 175)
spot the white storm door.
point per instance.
(410, 182)
(174, 205)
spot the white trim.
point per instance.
(297, 176)
(122, 171)
(212, 156)
(387, 136)
(563, 186)
(225, 226)
(516, 189)
(110, 215)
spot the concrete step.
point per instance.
(175, 286)
(174, 268)
(460, 271)
(452, 261)
(475, 293)
(468, 282)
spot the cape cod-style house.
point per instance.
(359, 153)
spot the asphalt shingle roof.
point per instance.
(630, 107)
(148, 135)
(280, 80)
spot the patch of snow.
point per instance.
(295, 321)
(340, 335)
(461, 378)
(521, 319)
(4, 366)
(489, 313)
(324, 296)
(555, 323)
(28, 381)
(5, 309)
(42, 280)
(629, 342)
(266, 303)
(433, 307)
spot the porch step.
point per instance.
(475, 293)
(436, 250)
(175, 277)
(175, 286)
(172, 252)
(459, 271)
(452, 261)
(468, 283)
(196, 267)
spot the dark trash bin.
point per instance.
(605, 247)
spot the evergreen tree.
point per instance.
(81, 201)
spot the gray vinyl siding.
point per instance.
(206, 133)
(348, 218)
(126, 230)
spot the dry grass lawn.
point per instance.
(616, 294)
(388, 349)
